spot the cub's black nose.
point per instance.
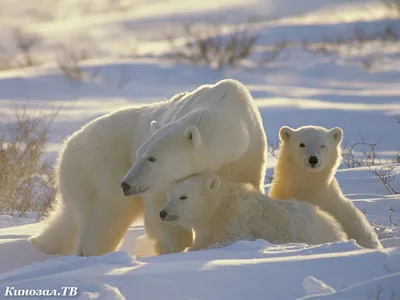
(313, 160)
(163, 214)
(125, 186)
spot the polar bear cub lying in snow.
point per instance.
(222, 212)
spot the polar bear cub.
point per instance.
(308, 159)
(222, 212)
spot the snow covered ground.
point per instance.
(298, 88)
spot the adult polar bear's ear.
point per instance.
(154, 126)
(192, 135)
(212, 183)
(337, 134)
(285, 133)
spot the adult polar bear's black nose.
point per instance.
(125, 186)
(313, 160)
(163, 214)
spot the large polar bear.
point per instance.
(92, 213)
(214, 129)
(309, 157)
(222, 212)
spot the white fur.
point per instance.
(214, 128)
(94, 213)
(222, 212)
(295, 178)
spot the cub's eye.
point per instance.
(323, 146)
(302, 145)
(183, 198)
(151, 159)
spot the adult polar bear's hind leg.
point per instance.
(94, 214)
(102, 212)
(88, 225)
(59, 234)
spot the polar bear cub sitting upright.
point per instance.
(308, 159)
(222, 212)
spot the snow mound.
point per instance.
(314, 286)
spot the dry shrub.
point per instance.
(381, 168)
(273, 150)
(69, 63)
(21, 53)
(213, 47)
(392, 6)
(386, 175)
(368, 153)
(26, 181)
(357, 42)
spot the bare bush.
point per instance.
(391, 220)
(382, 169)
(385, 172)
(25, 43)
(26, 181)
(392, 6)
(368, 155)
(213, 47)
(396, 158)
(69, 64)
(386, 175)
(379, 293)
(357, 42)
(271, 53)
(20, 54)
(273, 148)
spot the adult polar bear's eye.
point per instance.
(302, 145)
(151, 159)
(323, 146)
(183, 197)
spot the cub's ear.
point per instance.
(337, 134)
(192, 135)
(285, 133)
(212, 183)
(154, 126)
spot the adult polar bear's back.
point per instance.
(92, 214)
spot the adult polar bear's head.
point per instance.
(311, 147)
(201, 141)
